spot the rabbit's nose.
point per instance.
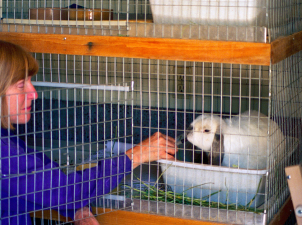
(180, 139)
(190, 128)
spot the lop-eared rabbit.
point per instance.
(237, 142)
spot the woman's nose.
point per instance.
(31, 91)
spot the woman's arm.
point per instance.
(48, 187)
(40, 182)
(158, 146)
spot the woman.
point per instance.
(30, 180)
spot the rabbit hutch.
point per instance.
(114, 72)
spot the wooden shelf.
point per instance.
(116, 217)
(159, 48)
(148, 48)
(129, 218)
(285, 47)
(124, 217)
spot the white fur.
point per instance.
(245, 138)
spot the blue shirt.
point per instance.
(30, 181)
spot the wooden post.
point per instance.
(294, 179)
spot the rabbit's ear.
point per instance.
(217, 150)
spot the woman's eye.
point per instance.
(20, 84)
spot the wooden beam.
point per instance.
(50, 215)
(283, 214)
(147, 48)
(160, 48)
(109, 217)
(284, 47)
(130, 218)
(294, 180)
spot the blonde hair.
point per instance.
(15, 64)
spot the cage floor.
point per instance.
(197, 212)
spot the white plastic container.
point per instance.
(210, 12)
(231, 185)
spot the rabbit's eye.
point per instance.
(206, 131)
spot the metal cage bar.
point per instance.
(231, 20)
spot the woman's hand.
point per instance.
(158, 146)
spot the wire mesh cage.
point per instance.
(247, 105)
(257, 109)
(231, 20)
(236, 126)
(64, 158)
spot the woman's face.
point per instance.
(19, 98)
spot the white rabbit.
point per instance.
(240, 141)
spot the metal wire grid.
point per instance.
(73, 127)
(232, 20)
(65, 16)
(179, 85)
(19, 9)
(172, 94)
(66, 70)
(286, 109)
(170, 91)
(284, 18)
(169, 95)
